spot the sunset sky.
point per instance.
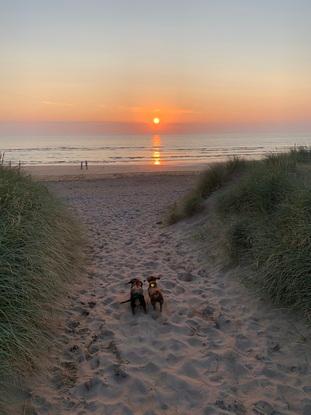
(117, 64)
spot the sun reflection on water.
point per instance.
(156, 150)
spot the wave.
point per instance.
(148, 148)
(168, 150)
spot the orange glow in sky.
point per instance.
(213, 63)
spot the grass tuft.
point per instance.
(39, 247)
(187, 207)
(211, 180)
(260, 189)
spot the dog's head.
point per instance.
(135, 282)
(153, 281)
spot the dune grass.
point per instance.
(39, 247)
(266, 217)
(268, 213)
(211, 180)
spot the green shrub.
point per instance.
(39, 247)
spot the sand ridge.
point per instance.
(215, 349)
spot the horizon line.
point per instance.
(48, 127)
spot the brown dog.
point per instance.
(155, 293)
(137, 295)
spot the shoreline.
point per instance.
(75, 173)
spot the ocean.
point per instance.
(145, 149)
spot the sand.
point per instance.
(95, 172)
(216, 348)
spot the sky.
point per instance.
(116, 64)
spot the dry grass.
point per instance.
(39, 247)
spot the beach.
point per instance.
(217, 348)
(168, 140)
(94, 172)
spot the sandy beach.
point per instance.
(165, 139)
(95, 172)
(216, 348)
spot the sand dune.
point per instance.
(215, 349)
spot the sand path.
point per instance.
(214, 350)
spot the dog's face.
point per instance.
(153, 281)
(135, 283)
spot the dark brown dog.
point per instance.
(155, 293)
(137, 295)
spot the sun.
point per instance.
(156, 120)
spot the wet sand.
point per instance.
(95, 172)
(215, 349)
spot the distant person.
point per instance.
(86, 166)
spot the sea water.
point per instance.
(145, 149)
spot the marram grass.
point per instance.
(215, 177)
(266, 217)
(39, 249)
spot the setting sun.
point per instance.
(150, 106)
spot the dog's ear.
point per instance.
(131, 282)
(157, 278)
